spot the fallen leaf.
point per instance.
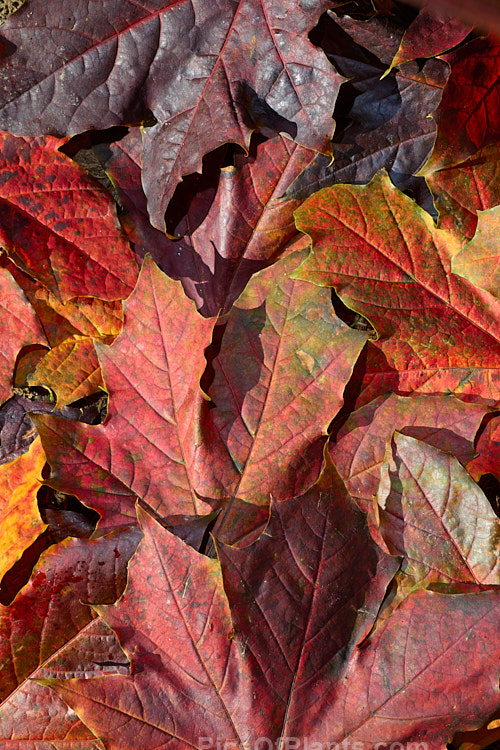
(20, 481)
(461, 190)
(19, 326)
(384, 121)
(77, 252)
(359, 448)
(228, 234)
(152, 373)
(279, 379)
(290, 671)
(468, 116)
(33, 711)
(71, 370)
(52, 608)
(388, 262)
(478, 260)
(433, 513)
(249, 65)
(488, 449)
(430, 34)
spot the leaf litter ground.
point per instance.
(250, 377)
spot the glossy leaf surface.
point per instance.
(388, 262)
(383, 119)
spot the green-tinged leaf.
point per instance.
(285, 654)
(279, 379)
(358, 450)
(479, 260)
(433, 513)
(387, 261)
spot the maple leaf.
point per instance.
(78, 252)
(488, 449)
(301, 599)
(274, 412)
(478, 260)
(284, 353)
(359, 447)
(51, 610)
(433, 513)
(70, 369)
(33, 711)
(227, 235)
(460, 191)
(437, 332)
(152, 373)
(27, 331)
(468, 116)
(20, 481)
(246, 61)
(385, 119)
(430, 34)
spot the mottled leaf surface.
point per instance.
(77, 251)
(35, 711)
(359, 448)
(434, 514)
(246, 61)
(71, 370)
(19, 326)
(292, 671)
(479, 260)
(51, 609)
(284, 361)
(279, 379)
(468, 118)
(20, 481)
(461, 190)
(387, 261)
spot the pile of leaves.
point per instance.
(249, 376)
